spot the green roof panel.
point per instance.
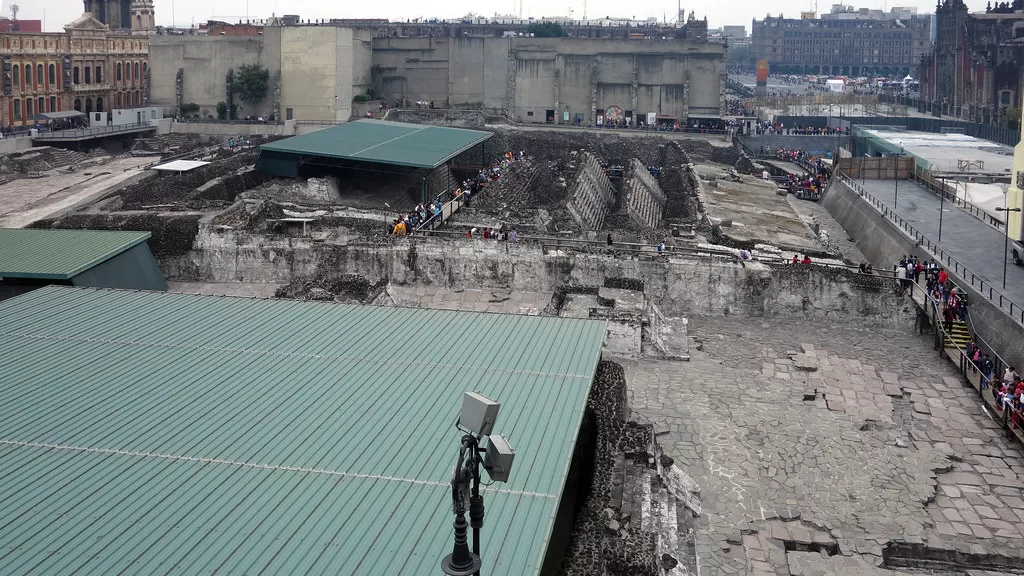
(60, 254)
(151, 433)
(382, 142)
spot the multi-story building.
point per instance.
(86, 68)
(975, 71)
(844, 43)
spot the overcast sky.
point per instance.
(56, 13)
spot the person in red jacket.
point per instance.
(943, 276)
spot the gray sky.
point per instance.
(56, 13)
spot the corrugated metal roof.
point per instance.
(383, 142)
(60, 254)
(157, 433)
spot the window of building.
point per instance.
(135, 71)
(16, 76)
(28, 76)
(75, 79)
(118, 72)
(39, 73)
(17, 109)
(88, 75)
(53, 103)
(99, 75)
(53, 75)
(120, 102)
(41, 105)
(28, 109)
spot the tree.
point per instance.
(250, 83)
(190, 109)
(1011, 117)
(547, 30)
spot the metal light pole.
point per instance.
(476, 420)
(1006, 233)
(896, 173)
(942, 198)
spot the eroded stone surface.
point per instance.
(880, 445)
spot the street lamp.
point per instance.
(896, 173)
(476, 420)
(1006, 233)
(942, 198)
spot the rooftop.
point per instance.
(944, 151)
(152, 432)
(382, 142)
(60, 254)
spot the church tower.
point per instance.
(116, 14)
(142, 16)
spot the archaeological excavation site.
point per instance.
(743, 413)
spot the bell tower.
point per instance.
(142, 17)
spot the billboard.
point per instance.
(762, 72)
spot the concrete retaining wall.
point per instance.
(232, 129)
(12, 145)
(773, 142)
(883, 244)
(592, 194)
(680, 285)
(644, 198)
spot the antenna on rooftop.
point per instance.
(14, 11)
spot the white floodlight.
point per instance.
(498, 458)
(478, 413)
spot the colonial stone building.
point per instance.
(135, 15)
(886, 44)
(974, 73)
(87, 68)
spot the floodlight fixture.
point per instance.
(476, 420)
(498, 458)
(478, 413)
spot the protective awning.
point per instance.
(59, 115)
(704, 116)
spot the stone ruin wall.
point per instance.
(681, 286)
(592, 193)
(644, 198)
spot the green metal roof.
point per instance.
(60, 254)
(157, 433)
(383, 142)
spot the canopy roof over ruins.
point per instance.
(370, 141)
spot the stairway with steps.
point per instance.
(958, 337)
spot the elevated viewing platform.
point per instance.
(93, 132)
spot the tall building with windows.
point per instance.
(87, 68)
(844, 42)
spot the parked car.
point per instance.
(1017, 250)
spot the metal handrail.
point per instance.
(930, 183)
(1015, 310)
(967, 363)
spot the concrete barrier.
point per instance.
(773, 142)
(13, 145)
(229, 129)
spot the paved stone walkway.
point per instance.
(813, 462)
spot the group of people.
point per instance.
(502, 233)
(464, 191)
(809, 186)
